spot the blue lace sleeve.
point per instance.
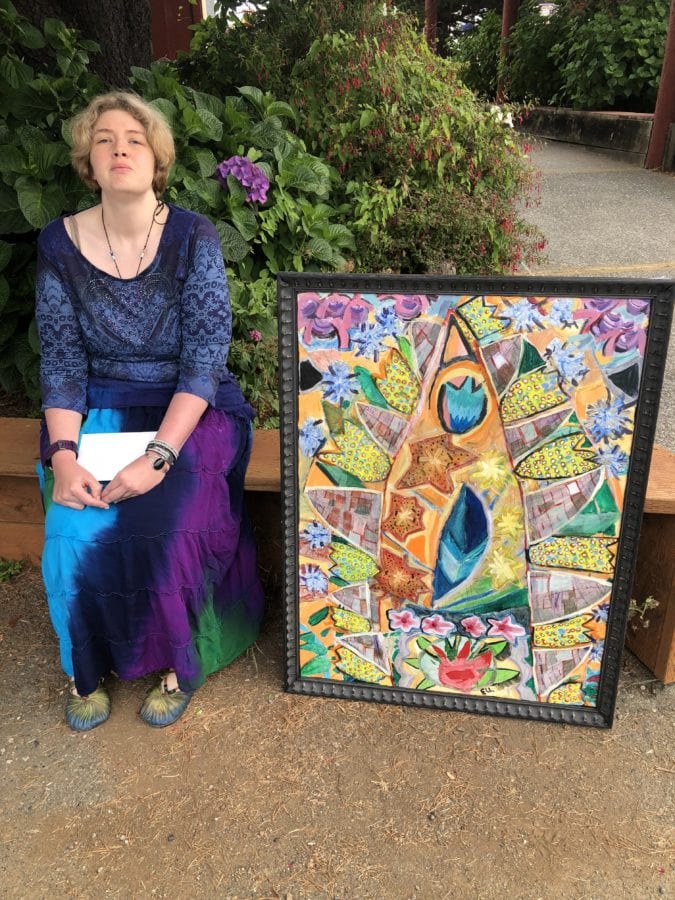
(206, 318)
(64, 367)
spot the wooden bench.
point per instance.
(21, 523)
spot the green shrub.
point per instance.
(292, 230)
(477, 53)
(611, 56)
(262, 47)
(412, 141)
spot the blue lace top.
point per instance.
(169, 325)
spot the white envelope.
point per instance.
(105, 454)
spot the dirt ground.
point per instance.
(258, 793)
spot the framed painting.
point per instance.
(464, 463)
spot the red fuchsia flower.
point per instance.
(473, 626)
(403, 620)
(437, 625)
(462, 673)
(506, 628)
(255, 335)
(331, 316)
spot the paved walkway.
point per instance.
(608, 218)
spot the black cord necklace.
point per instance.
(141, 255)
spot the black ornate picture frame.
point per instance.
(464, 465)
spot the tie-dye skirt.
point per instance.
(164, 580)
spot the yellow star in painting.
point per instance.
(433, 460)
(504, 570)
(405, 517)
(491, 471)
(509, 524)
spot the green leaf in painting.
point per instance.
(319, 615)
(406, 351)
(425, 684)
(339, 476)
(316, 666)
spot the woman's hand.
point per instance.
(74, 486)
(137, 478)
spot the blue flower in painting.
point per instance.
(525, 315)
(311, 437)
(606, 420)
(388, 321)
(561, 312)
(316, 535)
(313, 579)
(339, 383)
(614, 459)
(601, 613)
(368, 341)
(567, 361)
(597, 651)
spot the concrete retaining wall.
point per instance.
(626, 134)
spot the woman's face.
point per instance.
(121, 158)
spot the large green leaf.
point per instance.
(12, 220)
(255, 96)
(205, 160)
(5, 254)
(321, 250)
(167, 109)
(40, 203)
(28, 36)
(233, 245)
(14, 72)
(12, 159)
(268, 133)
(32, 104)
(4, 292)
(246, 222)
(209, 102)
(212, 127)
(50, 155)
(279, 108)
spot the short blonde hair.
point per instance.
(156, 128)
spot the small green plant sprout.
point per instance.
(9, 568)
(637, 612)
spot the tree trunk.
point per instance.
(121, 27)
(431, 23)
(664, 113)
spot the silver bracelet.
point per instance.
(165, 450)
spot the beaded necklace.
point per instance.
(157, 210)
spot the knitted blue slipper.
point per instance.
(163, 706)
(85, 713)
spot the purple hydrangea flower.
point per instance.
(247, 174)
(339, 383)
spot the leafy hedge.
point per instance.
(590, 54)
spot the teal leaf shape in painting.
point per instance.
(463, 542)
(461, 407)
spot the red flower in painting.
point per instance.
(437, 625)
(461, 673)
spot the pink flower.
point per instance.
(437, 625)
(505, 628)
(408, 306)
(255, 335)
(473, 626)
(405, 620)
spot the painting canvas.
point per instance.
(464, 467)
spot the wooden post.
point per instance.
(509, 16)
(431, 23)
(664, 112)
